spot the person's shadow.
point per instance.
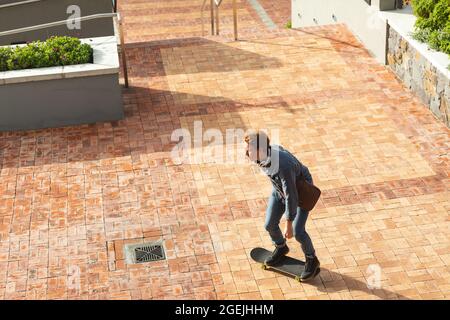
(329, 282)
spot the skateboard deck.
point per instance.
(288, 265)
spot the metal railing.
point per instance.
(214, 6)
(57, 23)
(123, 50)
(14, 4)
(122, 42)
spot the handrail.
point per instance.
(13, 4)
(123, 52)
(215, 24)
(212, 17)
(235, 20)
(202, 15)
(57, 23)
(217, 17)
(122, 49)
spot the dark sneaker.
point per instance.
(312, 266)
(277, 255)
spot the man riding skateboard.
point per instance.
(283, 168)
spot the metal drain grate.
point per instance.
(148, 253)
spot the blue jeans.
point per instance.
(274, 213)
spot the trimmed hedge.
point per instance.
(433, 23)
(55, 51)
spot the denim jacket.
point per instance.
(283, 168)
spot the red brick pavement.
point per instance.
(147, 20)
(279, 11)
(71, 198)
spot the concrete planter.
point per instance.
(61, 96)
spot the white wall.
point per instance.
(363, 20)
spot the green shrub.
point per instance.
(56, 51)
(5, 53)
(441, 41)
(433, 23)
(445, 45)
(289, 25)
(422, 35)
(28, 57)
(423, 23)
(441, 14)
(423, 8)
(434, 41)
(69, 50)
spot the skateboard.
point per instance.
(288, 265)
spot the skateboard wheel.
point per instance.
(264, 267)
(298, 279)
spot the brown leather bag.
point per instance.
(308, 194)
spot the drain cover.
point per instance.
(149, 253)
(144, 252)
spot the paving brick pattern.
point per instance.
(280, 11)
(71, 198)
(147, 20)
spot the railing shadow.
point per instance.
(300, 46)
(353, 44)
(198, 55)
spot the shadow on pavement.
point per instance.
(332, 282)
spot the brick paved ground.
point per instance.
(156, 19)
(280, 11)
(71, 198)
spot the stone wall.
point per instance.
(420, 75)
